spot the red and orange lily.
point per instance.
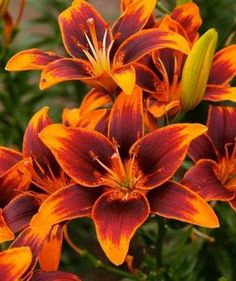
(102, 57)
(185, 19)
(214, 175)
(131, 173)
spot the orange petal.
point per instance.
(160, 154)
(146, 41)
(91, 120)
(74, 149)
(6, 233)
(73, 24)
(220, 93)
(95, 99)
(50, 254)
(30, 60)
(203, 179)
(188, 15)
(67, 203)
(133, 19)
(175, 201)
(64, 70)
(117, 216)
(160, 109)
(224, 66)
(126, 122)
(125, 78)
(14, 262)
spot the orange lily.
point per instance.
(185, 19)
(129, 172)
(213, 176)
(101, 56)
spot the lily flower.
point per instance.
(131, 171)
(100, 56)
(170, 65)
(214, 175)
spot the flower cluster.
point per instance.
(108, 159)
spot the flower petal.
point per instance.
(67, 203)
(14, 181)
(224, 66)
(233, 203)
(202, 148)
(74, 149)
(146, 41)
(8, 158)
(160, 154)
(133, 19)
(20, 210)
(175, 201)
(6, 233)
(126, 122)
(63, 70)
(50, 254)
(34, 147)
(31, 59)
(54, 276)
(117, 217)
(159, 109)
(125, 78)
(220, 93)
(203, 179)
(188, 15)
(147, 79)
(74, 23)
(14, 262)
(225, 130)
(91, 120)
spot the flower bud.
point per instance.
(196, 70)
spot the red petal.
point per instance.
(51, 252)
(203, 179)
(74, 23)
(34, 147)
(14, 262)
(160, 154)
(223, 66)
(202, 148)
(72, 148)
(67, 203)
(220, 93)
(54, 276)
(132, 20)
(64, 70)
(30, 60)
(188, 16)
(146, 41)
(8, 158)
(221, 126)
(147, 79)
(175, 201)
(233, 202)
(117, 216)
(20, 210)
(126, 122)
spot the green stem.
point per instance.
(162, 8)
(160, 240)
(179, 116)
